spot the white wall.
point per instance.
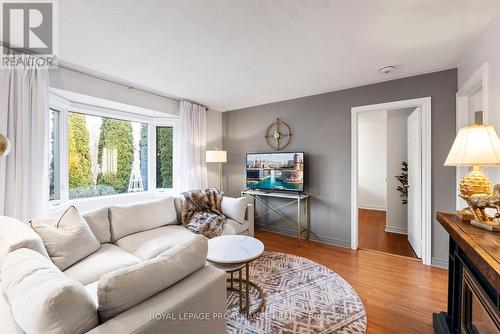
(485, 48)
(372, 158)
(397, 151)
(77, 82)
(382, 148)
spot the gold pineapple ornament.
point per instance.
(475, 182)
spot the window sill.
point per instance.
(56, 207)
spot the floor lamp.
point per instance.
(4, 146)
(219, 156)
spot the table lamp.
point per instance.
(4, 146)
(476, 146)
(219, 156)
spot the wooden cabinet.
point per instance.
(473, 279)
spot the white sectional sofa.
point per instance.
(147, 276)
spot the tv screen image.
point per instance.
(275, 171)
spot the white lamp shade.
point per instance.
(475, 145)
(4, 146)
(216, 156)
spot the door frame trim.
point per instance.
(477, 79)
(426, 214)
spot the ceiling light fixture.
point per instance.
(387, 69)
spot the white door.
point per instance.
(415, 181)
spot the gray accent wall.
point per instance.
(322, 129)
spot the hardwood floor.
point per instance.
(400, 294)
(372, 235)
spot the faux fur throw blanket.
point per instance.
(201, 212)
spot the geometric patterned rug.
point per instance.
(300, 296)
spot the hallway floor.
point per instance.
(372, 235)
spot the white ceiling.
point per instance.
(229, 54)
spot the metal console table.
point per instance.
(300, 199)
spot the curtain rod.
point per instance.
(107, 78)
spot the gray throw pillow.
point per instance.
(67, 241)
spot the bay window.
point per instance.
(96, 151)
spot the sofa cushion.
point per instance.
(92, 291)
(15, 234)
(232, 227)
(108, 258)
(234, 208)
(126, 220)
(148, 244)
(68, 241)
(42, 298)
(98, 222)
(7, 321)
(124, 288)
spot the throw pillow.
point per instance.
(234, 208)
(69, 240)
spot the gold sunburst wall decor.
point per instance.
(278, 135)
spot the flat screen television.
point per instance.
(275, 171)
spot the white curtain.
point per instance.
(24, 119)
(192, 169)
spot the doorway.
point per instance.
(383, 180)
(390, 178)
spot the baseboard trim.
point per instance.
(375, 208)
(439, 263)
(396, 229)
(435, 262)
(390, 254)
(313, 237)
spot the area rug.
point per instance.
(300, 296)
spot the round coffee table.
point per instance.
(232, 253)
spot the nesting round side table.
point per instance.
(233, 254)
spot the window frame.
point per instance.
(153, 157)
(65, 106)
(56, 155)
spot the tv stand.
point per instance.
(302, 201)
